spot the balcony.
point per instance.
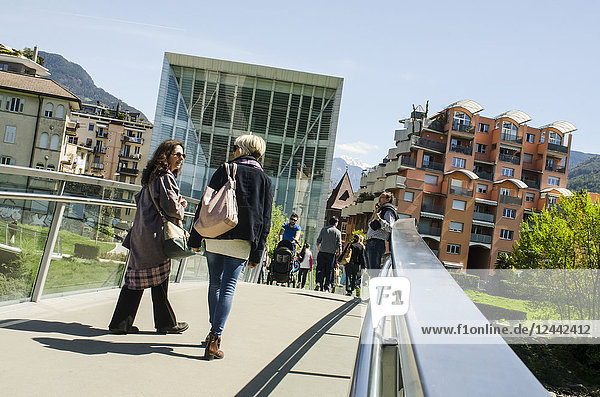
(430, 230)
(558, 148)
(468, 150)
(102, 135)
(408, 161)
(133, 139)
(460, 191)
(71, 128)
(97, 166)
(433, 165)
(133, 156)
(560, 170)
(128, 171)
(485, 175)
(505, 199)
(507, 158)
(482, 216)
(429, 144)
(432, 208)
(531, 183)
(511, 138)
(481, 238)
(463, 128)
(100, 150)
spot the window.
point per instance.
(430, 179)
(54, 142)
(505, 192)
(506, 234)
(456, 227)
(553, 181)
(73, 140)
(7, 160)
(49, 110)
(529, 197)
(459, 205)
(458, 162)
(483, 127)
(508, 171)
(527, 158)
(497, 124)
(409, 196)
(481, 188)
(509, 131)
(44, 140)
(14, 104)
(453, 249)
(480, 148)
(531, 138)
(542, 137)
(461, 118)
(509, 213)
(39, 166)
(51, 167)
(60, 112)
(555, 138)
(91, 127)
(426, 160)
(551, 200)
(9, 135)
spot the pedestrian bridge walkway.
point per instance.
(278, 341)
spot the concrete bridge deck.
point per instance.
(277, 341)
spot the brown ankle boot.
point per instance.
(212, 349)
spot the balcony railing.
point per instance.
(433, 165)
(531, 183)
(408, 161)
(463, 128)
(432, 208)
(511, 138)
(99, 150)
(485, 175)
(558, 148)
(560, 170)
(460, 191)
(133, 156)
(481, 238)
(428, 143)
(133, 139)
(482, 216)
(507, 158)
(468, 150)
(503, 198)
(430, 230)
(97, 166)
(129, 171)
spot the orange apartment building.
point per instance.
(469, 180)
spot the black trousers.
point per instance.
(302, 273)
(351, 274)
(324, 274)
(129, 301)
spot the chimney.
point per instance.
(35, 54)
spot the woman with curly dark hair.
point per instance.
(148, 267)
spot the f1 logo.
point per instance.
(389, 296)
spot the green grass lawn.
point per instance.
(534, 310)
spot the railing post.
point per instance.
(181, 270)
(40, 280)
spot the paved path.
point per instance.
(278, 341)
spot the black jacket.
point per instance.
(254, 199)
(357, 258)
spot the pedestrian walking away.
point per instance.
(357, 261)
(380, 228)
(329, 245)
(305, 258)
(148, 267)
(226, 254)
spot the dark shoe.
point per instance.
(176, 329)
(213, 348)
(116, 331)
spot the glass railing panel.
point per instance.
(196, 268)
(24, 226)
(91, 254)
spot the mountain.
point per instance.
(577, 158)
(74, 78)
(585, 175)
(338, 167)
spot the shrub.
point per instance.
(86, 251)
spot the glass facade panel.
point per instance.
(297, 120)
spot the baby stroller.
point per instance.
(283, 267)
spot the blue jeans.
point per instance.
(223, 272)
(374, 250)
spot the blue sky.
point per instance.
(541, 57)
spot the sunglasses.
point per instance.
(294, 219)
(180, 155)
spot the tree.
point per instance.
(277, 219)
(28, 53)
